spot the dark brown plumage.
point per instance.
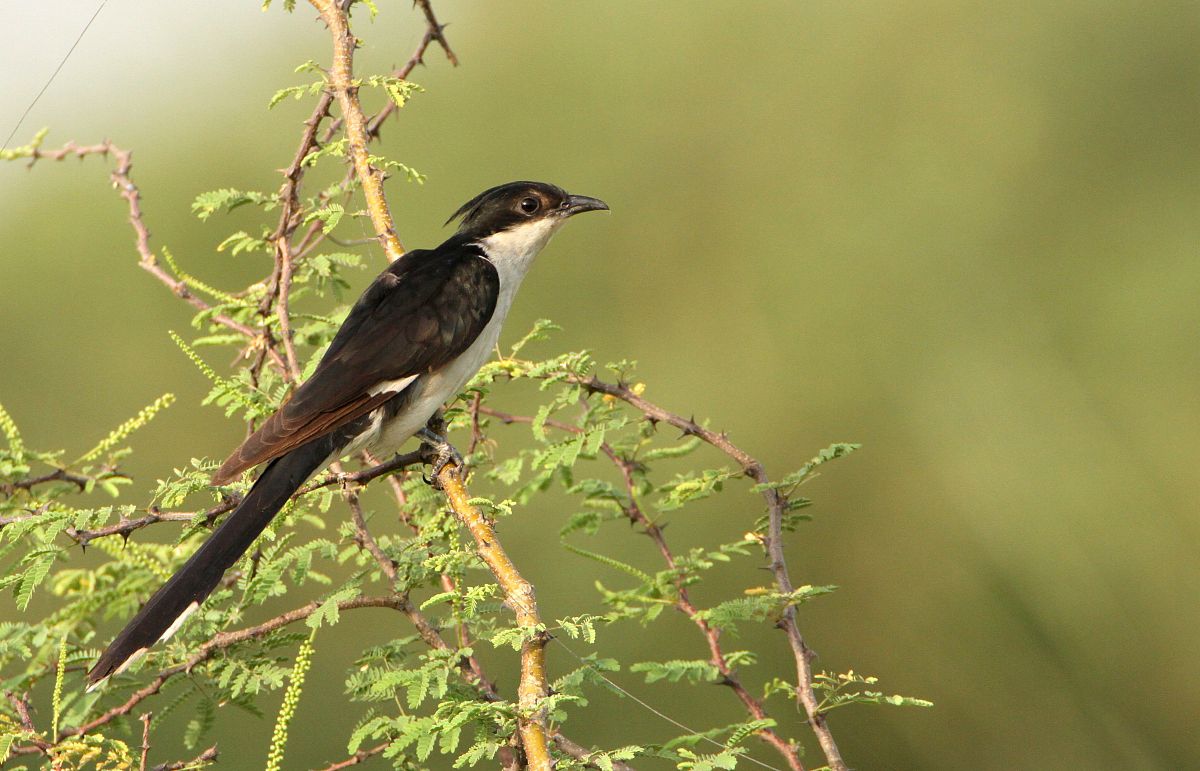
(420, 313)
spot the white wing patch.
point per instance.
(174, 627)
(395, 386)
(126, 664)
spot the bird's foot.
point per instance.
(440, 454)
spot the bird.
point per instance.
(418, 333)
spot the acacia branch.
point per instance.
(683, 603)
(519, 595)
(345, 88)
(58, 475)
(532, 687)
(208, 756)
(287, 252)
(219, 643)
(286, 265)
(776, 508)
(148, 260)
(362, 756)
(153, 515)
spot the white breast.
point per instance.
(512, 252)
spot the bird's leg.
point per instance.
(443, 453)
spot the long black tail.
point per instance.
(179, 597)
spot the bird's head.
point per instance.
(520, 215)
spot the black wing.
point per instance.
(418, 315)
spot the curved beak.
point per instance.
(581, 203)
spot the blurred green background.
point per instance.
(963, 234)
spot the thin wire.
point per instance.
(58, 69)
(667, 718)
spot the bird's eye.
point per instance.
(530, 205)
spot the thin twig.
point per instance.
(21, 705)
(153, 515)
(285, 320)
(208, 756)
(362, 756)
(437, 30)
(145, 718)
(583, 754)
(58, 475)
(149, 261)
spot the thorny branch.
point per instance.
(341, 76)
(149, 261)
(518, 595)
(776, 509)
(290, 215)
(208, 756)
(208, 650)
(683, 602)
(209, 516)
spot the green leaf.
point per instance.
(691, 487)
(695, 671)
(207, 204)
(832, 452)
(328, 612)
(329, 216)
(612, 563)
(397, 89)
(39, 562)
(242, 241)
(841, 689)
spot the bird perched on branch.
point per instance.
(419, 332)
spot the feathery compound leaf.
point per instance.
(119, 433)
(9, 428)
(242, 241)
(767, 605)
(398, 90)
(329, 216)
(725, 760)
(227, 393)
(691, 487)
(39, 563)
(841, 689)
(207, 204)
(296, 92)
(336, 148)
(577, 627)
(832, 452)
(328, 611)
(695, 671)
(541, 331)
(641, 575)
(743, 731)
(408, 171)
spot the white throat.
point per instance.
(512, 251)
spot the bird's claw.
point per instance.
(442, 454)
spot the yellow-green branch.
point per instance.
(519, 595)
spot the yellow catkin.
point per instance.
(291, 699)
